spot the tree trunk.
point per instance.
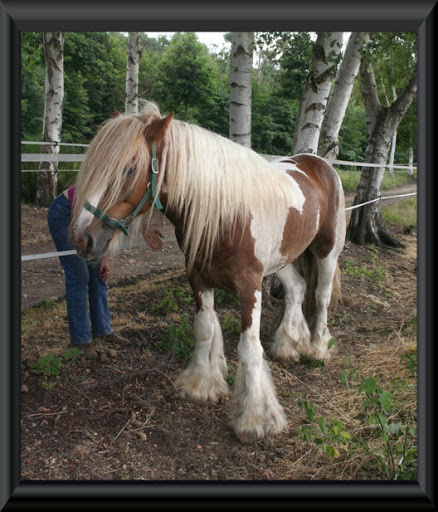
(53, 48)
(328, 146)
(366, 225)
(241, 87)
(393, 142)
(132, 67)
(326, 55)
(411, 162)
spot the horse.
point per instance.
(237, 218)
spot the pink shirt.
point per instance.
(71, 195)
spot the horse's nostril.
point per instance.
(88, 243)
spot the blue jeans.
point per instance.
(83, 286)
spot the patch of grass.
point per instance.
(173, 299)
(350, 180)
(402, 213)
(46, 304)
(179, 339)
(230, 322)
(373, 271)
(382, 432)
(51, 366)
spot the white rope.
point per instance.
(378, 199)
(31, 257)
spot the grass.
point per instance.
(350, 180)
(403, 212)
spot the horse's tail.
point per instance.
(307, 266)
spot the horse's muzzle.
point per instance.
(92, 246)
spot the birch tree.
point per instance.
(240, 87)
(53, 49)
(328, 146)
(132, 68)
(325, 58)
(366, 224)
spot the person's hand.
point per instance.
(153, 239)
(104, 269)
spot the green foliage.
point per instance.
(172, 300)
(179, 339)
(386, 437)
(222, 297)
(51, 366)
(186, 75)
(330, 435)
(231, 323)
(46, 303)
(373, 271)
(181, 75)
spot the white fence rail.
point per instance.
(40, 157)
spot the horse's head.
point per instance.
(119, 180)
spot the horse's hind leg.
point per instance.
(256, 412)
(203, 379)
(320, 331)
(292, 338)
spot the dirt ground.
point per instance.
(120, 418)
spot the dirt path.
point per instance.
(43, 279)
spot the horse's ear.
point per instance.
(157, 129)
(116, 113)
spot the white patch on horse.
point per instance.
(85, 217)
(287, 166)
(317, 220)
(267, 232)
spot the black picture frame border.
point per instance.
(95, 15)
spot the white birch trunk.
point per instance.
(328, 146)
(53, 48)
(393, 142)
(241, 87)
(132, 68)
(366, 224)
(325, 58)
(411, 162)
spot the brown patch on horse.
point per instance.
(326, 184)
(233, 268)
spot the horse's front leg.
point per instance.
(256, 412)
(203, 379)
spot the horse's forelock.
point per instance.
(118, 144)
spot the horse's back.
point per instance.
(321, 185)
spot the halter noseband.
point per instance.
(123, 224)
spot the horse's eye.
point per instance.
(130, 171)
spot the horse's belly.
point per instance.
(281, 238)
(268, 239)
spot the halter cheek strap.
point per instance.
(151, 189)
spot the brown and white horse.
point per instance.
(237, 219)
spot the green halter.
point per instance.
(123, 224)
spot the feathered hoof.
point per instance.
(318, 354)
(284, 353)
(249, 432)
(199, 389)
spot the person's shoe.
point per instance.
(115, 338)
(86, 349)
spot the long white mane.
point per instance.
(217, 183)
